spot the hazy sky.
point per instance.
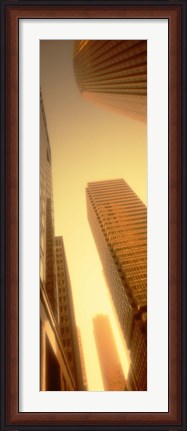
(88, 143)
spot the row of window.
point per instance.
(141, 296)
(65, 330)
(63, 308)
(62, 298)
(64, 319)
(133, 269)
(60, 275)
(137, 277)
(59, 260)
(61, 291)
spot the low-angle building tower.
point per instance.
(55, 370)
(68, 329)
(85, 383)
(118, 220)
(137, 376)
(111, 369)
(113, 74)
(47, 238)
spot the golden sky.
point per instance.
(88, 143)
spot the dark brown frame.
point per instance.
(174, 419)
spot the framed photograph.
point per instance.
(93, 213)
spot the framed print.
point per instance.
(93, 238)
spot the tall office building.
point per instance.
(118, 220)
(111, 369)
(55, 371)
(85, 383)
(68, 330)
(113, 74)
(47, 239)
(137, 376)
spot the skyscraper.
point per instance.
(113, 74)
(111, 369)
(56, 372)
(118, 220)
(68, 330)
(47, 239)
(85, 383)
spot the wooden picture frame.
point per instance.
(175, 12)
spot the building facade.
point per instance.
(55, 370)
(111, 369)
(85, 382)
(113, 74)
(137, 376)
(47, 238)
(118, 220)
(68, 329)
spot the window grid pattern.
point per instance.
(120, 231)
(113, 74)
